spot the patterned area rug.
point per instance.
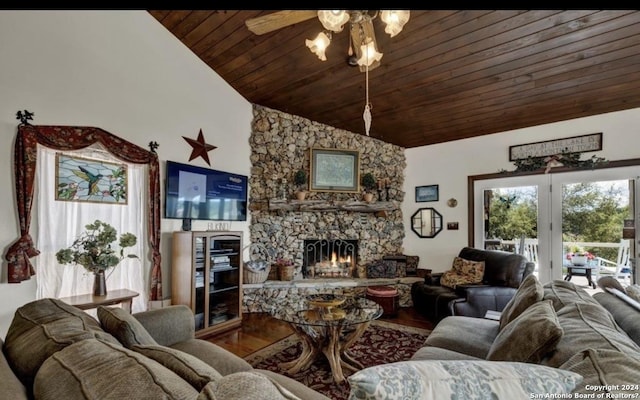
(383, 342)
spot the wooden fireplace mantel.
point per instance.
(378, 207)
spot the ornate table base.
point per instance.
(333, 342)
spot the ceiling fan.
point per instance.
(364, 50)
(277, 20)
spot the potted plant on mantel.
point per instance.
(369, 183)
(300, 180)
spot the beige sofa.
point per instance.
(55, 351)
(552, 338)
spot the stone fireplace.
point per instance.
(329, 258)
(280, 144)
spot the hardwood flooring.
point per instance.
(259, 330)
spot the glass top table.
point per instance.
(328, 327)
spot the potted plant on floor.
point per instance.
(300, 180)
(369, 183)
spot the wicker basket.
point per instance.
(285, 272)
(260, 254)
(255, 277)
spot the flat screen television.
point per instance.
(204, 194)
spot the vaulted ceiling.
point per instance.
(449, 75)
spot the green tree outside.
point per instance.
(591, 212)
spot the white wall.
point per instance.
(449, 164)
(121, 71)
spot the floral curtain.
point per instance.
(73, 138)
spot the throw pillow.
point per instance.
(633, 291)
(118, 322)
(459, 379)
(94, 369)
(245, 385)
(529, 337)
(463, 272)
(191, 369)
(529, 292)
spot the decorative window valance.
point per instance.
(74, 138)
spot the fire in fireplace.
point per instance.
(329, 258)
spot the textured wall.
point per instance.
(280, 144)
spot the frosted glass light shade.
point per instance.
(319, 45)
(369, 54)
(395, 20)
(333, 20)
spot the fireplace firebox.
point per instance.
(329, 258)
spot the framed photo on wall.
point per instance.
(426, 193)
(335, 170)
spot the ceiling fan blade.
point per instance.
(279, 19)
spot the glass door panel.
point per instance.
(595, 206)
(511, 217)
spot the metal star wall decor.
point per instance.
(200, 148)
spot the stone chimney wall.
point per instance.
(280, 144)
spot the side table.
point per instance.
(88, 301)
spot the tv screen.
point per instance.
(204, 194)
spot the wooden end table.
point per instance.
(88, 301)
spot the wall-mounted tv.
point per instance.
(204, 194)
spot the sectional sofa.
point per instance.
(55, 351)
(550, 340)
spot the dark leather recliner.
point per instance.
(503, 274)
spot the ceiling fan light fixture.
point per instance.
(395, 20)
(319, 45)
(333, 20)
(369, 54)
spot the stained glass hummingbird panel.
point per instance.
(90, 180)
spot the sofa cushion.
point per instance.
(467, 335)
(564, 293)
(529, 293)
(95, 369)
(588, 326)
(626, 316)
(529, 337)
(124, 327)
(12, 388)
(611, 371)
(245, 385)
(41, 328)
(191, 369)
(463, 272)
(220, 359)
(455, 379)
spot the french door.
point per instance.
(543, 194)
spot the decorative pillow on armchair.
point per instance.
(463, 272)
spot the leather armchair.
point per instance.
(503, 274)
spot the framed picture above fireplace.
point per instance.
(335, 170)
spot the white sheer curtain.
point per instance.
(59, 223)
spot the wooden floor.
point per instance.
(259, 330)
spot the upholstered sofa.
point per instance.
(55, 351)
(550, 339)
(503, 272)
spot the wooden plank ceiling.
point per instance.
(449, 75)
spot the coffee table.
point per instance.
(329, 331)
